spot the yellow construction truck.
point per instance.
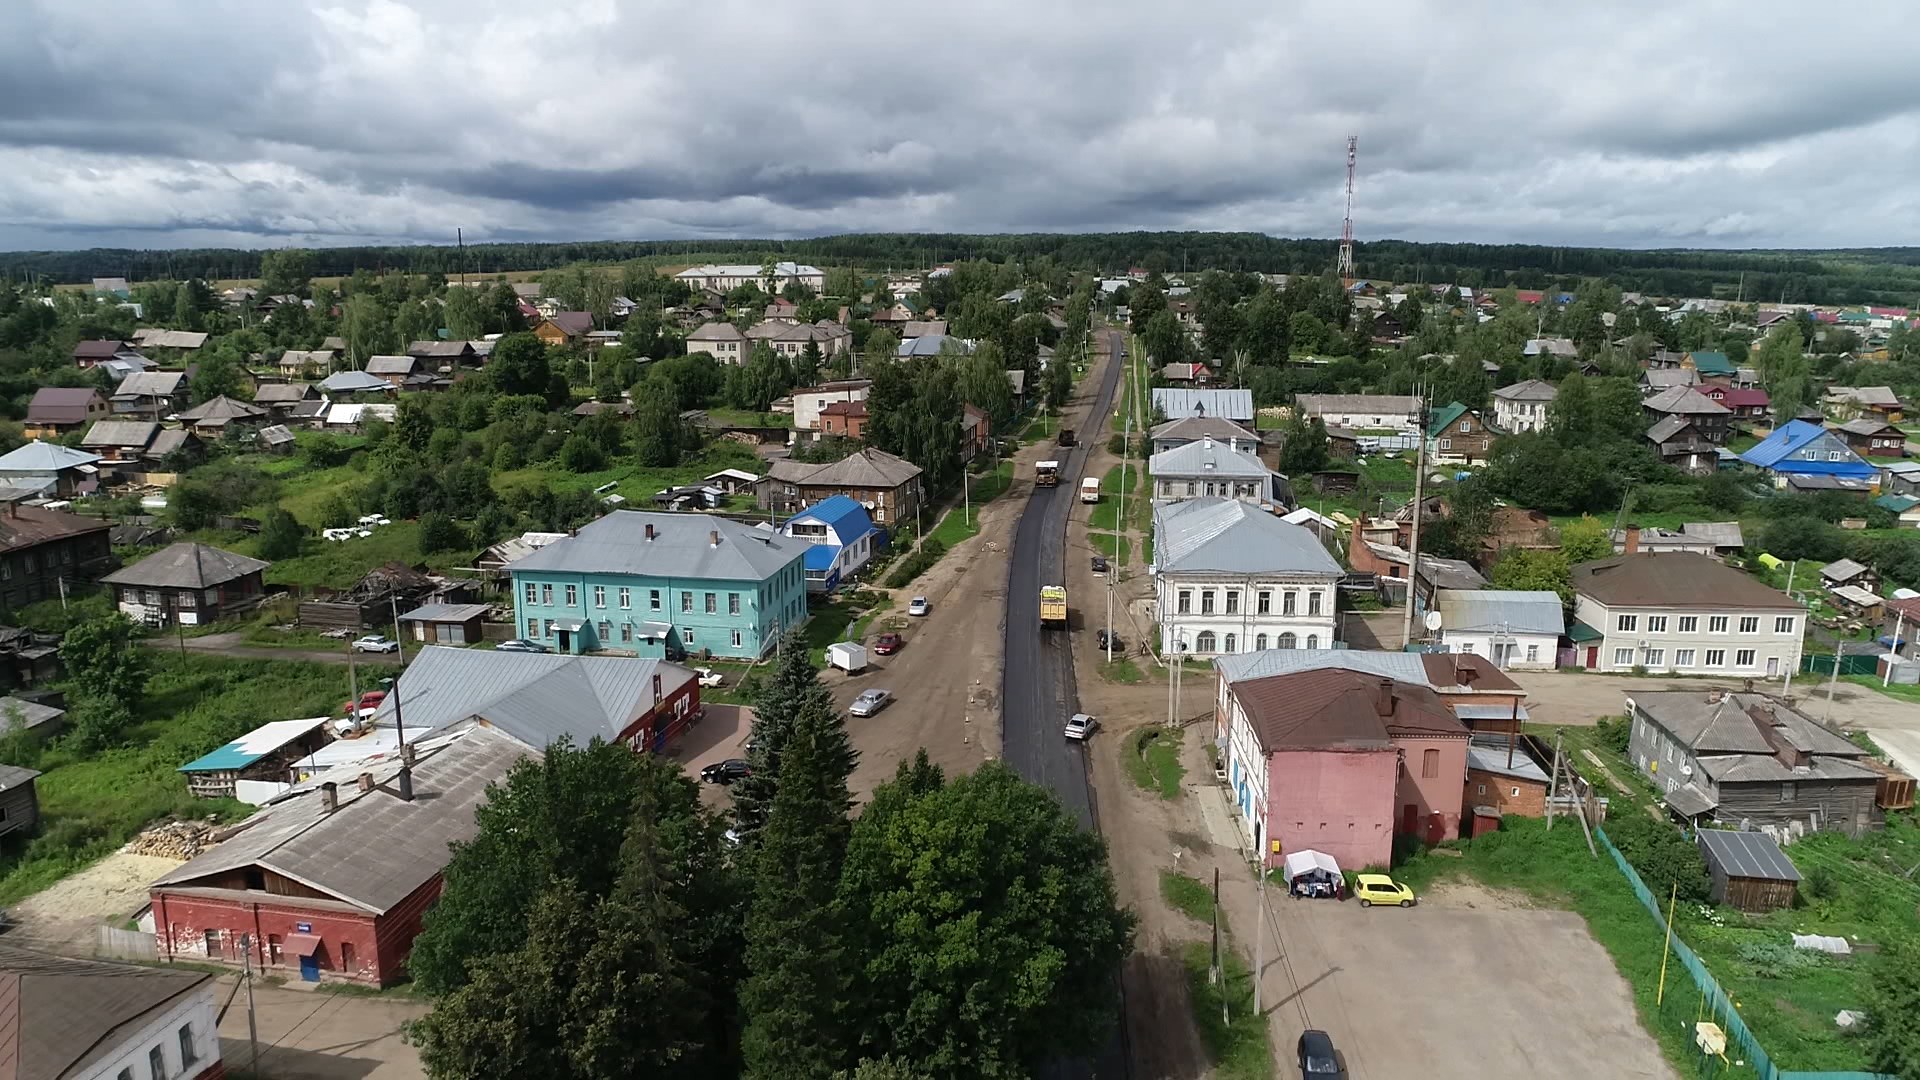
(1053, 606)
(1046, 473)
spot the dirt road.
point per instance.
(233, 644)
(320, 1035)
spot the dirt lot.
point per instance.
(317, 1035)
(62, 917)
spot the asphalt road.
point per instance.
(1037, 691)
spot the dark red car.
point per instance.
(887, 644)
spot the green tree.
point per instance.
(367, 327)
(1584, 541)
(999, 953)
(1893, 1010)
(336, 513)
(792, 696)
(660, 436)
(1529, 569)
(103, 661)
(281, 535)
(218, 375)
(983, 384)
(1165, 341)
(519, 365)
(465, 314)
(286, 272)
(413, 425)
(438, 532)
(1305, 450)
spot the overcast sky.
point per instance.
(164, 123)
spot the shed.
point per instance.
(265, 753)
(1749, 870)
(445, 624)
(19, 801)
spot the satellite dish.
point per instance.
(1433, 620)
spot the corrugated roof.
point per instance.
(1226, 535)
(1336, 708)
(1685, 401)
(1384, 404)
(1728, 725)
(1174, 403)
(1196, 427)
(1842, 570)
(1689, 801)
(1747, 855)
(1402, 666)
(869, 469)
(60, 1017)
(348, 382)
(1513, 610)
(1205, 458)
(155, 384)
(62, 404)
(444, 613)
(222, 409)
(683, 546)
(392, 365)
(1528, 390)
(1494, 756)
(44, 457)
(1867, 427)
(186, 565)
(1667, 428)
(253, 746)
(120, 434)
(847, 518)
(1675, 579)
(1711, 363)
(376, 848)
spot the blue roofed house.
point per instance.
(842, 536)
(1798, 449)
(656, 584)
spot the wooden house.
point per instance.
(1750, 873)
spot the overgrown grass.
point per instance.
(725, 417)
(963, 521)
(1237, 1042)
(1187, 895)
(1903, 691)
(1153, 759)
(90, 804)
(1122, 671)
(1103, 542)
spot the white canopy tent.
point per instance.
(1302, 862)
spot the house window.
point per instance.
(551, 627)
(1749, 624)
(653, 599)
(626, 631)
(1833, 455)
(686, 602)
(1716, 624)
(1533, 653)
(532, 593)
(1656, 624)
(1289, 602)
(1185, 605)
(736, 639)
(1313, 641)
(1623, 656)
(599, 596)
(1743, 658)
(1783, 624)
(1689, 624)
(1260, 642)
(1313, 603)
(1192, 489)
(573, 595)
(1233, 604)
(1716, 658)
(533, 628)
(157, 1063)
(606, 631)
(1466, 427)
(1263, 603)
(1233, 643)
(1204, 643)
(1429, 764)
(1515, 792)
(187, 1056)
(733, 603)
(546, 594)
(1206, 602)
(1627, 623)
(686, 635)
(1483, 789)
(626, 598)
(1446, 444)
(712, 603)
(1656, 657)
(1288, 641)
(1683, 658)
(1786, 790)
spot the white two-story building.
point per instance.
(1231, 578)
(1523, 406)
(1685, 613)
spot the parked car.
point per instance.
(708, 676)
(1080, 725)
(1099, 564)
(918, 606)
(1103, 636)
(870, 702)
(1317, 1057)
(369, 701)
(1380, 889)
(521, 645)
(375, 643)
(726, 772)
(888, 644)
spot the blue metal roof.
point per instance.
(821, 556)
(1777, 452)
(847, 518)
(253, 746)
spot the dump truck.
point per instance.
(1046, 473)
(1053, 606)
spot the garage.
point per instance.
(444, 624)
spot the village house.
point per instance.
(1205, 468)
(888, 486)
(1517, 630)
(280, 399)
(399, 371)
(1682, 612)
(301, 887)
(564, 327)
(1743, 404)
(444, 355)
(1715, 538)
(88, 354)
(306, 363)
(41, 548)
(1177, 433)
(1363, 412)
(1799, 450)
(1849, 402)
(844, 419)
(1229, 578)
(211, 418)
(1503, 778)
(126, 442)
(1184, 374)
(263, 758)
(189, 583)
(69, 1019)
(1708, 418)
(152, 394)
(1747, 759)
(808, 401)
(55, 411)
(842, 541)
(1657, 378)
(1868, 437)
(1178, 403)
(721, 340)
(1456, 436)
(1683, 445)
(1523, 406)
(44, 469)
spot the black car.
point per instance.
(1104, 637)
(1318, 1059)
(726, 772)
(1099, 564)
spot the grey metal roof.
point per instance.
(1718, 533)
(1204, 457)
(868, 468)
(1514, 610)
(1686, 401)
(30, 713)
(392, 365)
(1322, 404)
(1196, 427)
(44, 457)
(1399, 666)
(376, 848)
(1175, 403)
(1230, 536)
(186, 565)
(1688, 800)
(1662, 378)
(683, 546)
(69, 1018)
(1747, 855)
(347, 382)
(444, 613)
(1727, 726)
(222, 408)
(1842, 570)
(166, 441)
(533, 697)
(1668, 427)
(1528, 390)
(151, 384)
(1492, 755)
(120, 433)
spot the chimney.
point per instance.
(405, 782)
(1464, 673)
(1715, 696)
(329, 797)
(366, 781)
(656, 688)
(1206, 441)
(713, 538)
(1632, 545)
(649, 532)
(1383, 697)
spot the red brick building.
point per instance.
(847, 419)
(331, 883)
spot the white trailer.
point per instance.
(848, 656)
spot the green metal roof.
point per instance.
(1580, 633)
(1439, 419)
(1711, 363)
(1899, 504)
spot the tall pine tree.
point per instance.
(794, 689)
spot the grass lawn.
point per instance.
(962, 522)
(1103, 543)
(1899, 690)
(90, 804)
(1104, 515)
(1153, 760)
(1238, 1040)
(1122, 671)
(637, 484)
(827, 623)
(1188, 895)
(747, 418)
(1110, 484)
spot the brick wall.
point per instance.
(1496, 790)
(181, 923)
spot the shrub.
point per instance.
(1614, 733)
(915, 564)
(1664, 858)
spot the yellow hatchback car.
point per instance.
(1380, 889)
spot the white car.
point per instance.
(708, 676)
(1080, 725)
(870, 702)
(919, 606)
(375, 643)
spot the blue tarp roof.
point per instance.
(1777, 452)
(847, 518)
(821, 556)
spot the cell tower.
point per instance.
(1345, 266)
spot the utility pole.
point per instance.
(1260, 926)
(1553, 785)
(1419, 490)
(399, 647)
(1893, 650)
(1839, 646)
(253, 1031)
(1787, 687)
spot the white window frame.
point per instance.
(1783, 624)
(626, 597)
(1623, 655)
(1683, 657)
(1716, 624)
(599, 596)
(1656, 624)
(1745, 620)
(1626, 624)
(1716, 658)
(1688, 624)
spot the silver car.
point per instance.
(1080, 725)
(870, 702)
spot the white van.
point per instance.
(1090, 489)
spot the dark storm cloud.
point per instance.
(343, 120)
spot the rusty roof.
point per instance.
(23, 526)
(1336, 709)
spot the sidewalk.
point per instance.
(320, 1035)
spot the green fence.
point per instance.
(1702, 998)
(1852, 664)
